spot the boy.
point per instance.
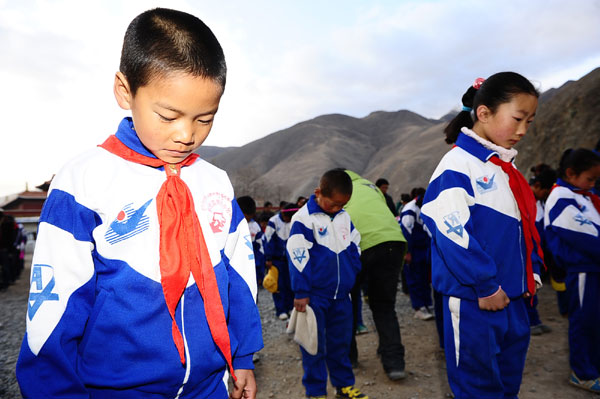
(324, 259)
(142, 284)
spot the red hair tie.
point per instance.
(478, 82)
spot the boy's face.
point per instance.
(540, 193)
(173, 114)
(332, 204)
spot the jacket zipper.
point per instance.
(523, 263)
(187, 351)
(337, 256)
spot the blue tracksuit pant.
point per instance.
(419, 287)
(584, 332)
(534, 316)
(334, 323)
(284, 299)
(485, 351)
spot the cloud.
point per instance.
(288, 62)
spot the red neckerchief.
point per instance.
(182, 248)
(593, 197)
(527, 207)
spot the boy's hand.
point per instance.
(498, 301)
(300, 304)
(245, 386)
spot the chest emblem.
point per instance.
(128, 223)
(322, 231)
(219, 207)
(486, 184)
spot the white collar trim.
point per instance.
(507, 155)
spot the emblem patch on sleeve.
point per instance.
(42, 284)
(452, 221)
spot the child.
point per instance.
(142, 284)
(485, 248)
(417, 263)
(276, 235)
(248, 207)
(324, 259)
(541, 184)
(572, 225)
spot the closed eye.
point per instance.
(205, 121)
(517, 119)
(164, 118)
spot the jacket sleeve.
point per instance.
(446, 211)
(567, 224)
(62, 294)
(300, 263)
(407, 224)
(243, 318)
(269, 240)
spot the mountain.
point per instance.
(402, 146)
(209, 151)
(567, 117)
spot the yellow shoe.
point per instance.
(349, 393)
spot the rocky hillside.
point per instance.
(402, 146)
(568, 117)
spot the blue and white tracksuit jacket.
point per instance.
(324, 259)
(572, 227)
(97, 322)
(276, 235)
(419, 246)
(257, 235)
(477, 246)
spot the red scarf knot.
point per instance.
(183, 249)
(527, 208)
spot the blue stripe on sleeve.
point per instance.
(448, 179)
(63, 211)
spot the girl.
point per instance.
(485, 248)
(572, 226)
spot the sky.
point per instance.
(288, 62)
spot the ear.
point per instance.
(483, 113)
(570, 173)
(122, 91)
(317, 191)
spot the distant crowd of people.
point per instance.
(12, 249)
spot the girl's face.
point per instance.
(585, 180)
(509, 123)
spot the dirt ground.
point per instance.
(279, 371)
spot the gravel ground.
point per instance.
(279, 371)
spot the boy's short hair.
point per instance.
(335, 180)
(161, 41)
(381, 181)
(247, 205)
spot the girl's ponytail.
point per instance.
(463, 119)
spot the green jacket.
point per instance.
(370, 214)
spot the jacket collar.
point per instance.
(313, 207)
(481, 148)
(127, 135)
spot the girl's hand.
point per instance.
(245, 386)
(495, 302)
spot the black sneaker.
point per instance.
(350, 393)
(396, 375)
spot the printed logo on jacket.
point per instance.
(219, 207)
(128, 223)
